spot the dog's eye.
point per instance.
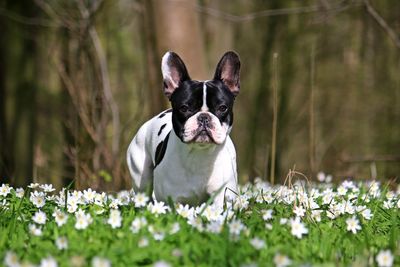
(222, 108)
(184, 108)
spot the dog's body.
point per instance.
(185, 153)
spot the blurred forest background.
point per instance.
(78, 78)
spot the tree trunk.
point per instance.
(5, 166)
(177, 25)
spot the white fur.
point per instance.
(204, 107)
(188, 173)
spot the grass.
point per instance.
(243, 235)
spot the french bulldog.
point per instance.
(185, 153)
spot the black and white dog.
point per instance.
(185, 153)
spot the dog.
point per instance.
(185, 153)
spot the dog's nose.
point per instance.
(204, 119)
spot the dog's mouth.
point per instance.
(203, 135)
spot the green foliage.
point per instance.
(171, 238)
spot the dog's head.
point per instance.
(201, 110)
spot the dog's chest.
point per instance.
(184, 174)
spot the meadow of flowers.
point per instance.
(299, 224)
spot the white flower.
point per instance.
(100, 262)
(388, 204)
(115, 203)
(175, 229)
(283, 221)
(89, 195)
(39, 217)
(38, 199)
(4, 204)
(185, 211)
(33, 185)
(367, 214)
(267, 214)
(390, 195)
(215, 227)
(141, 200)
(115, 219)
(137, 224)
(348, 207)
(19, 192)
(316, 215)
(124, 197)
(157, 234)
(82, 220)
(335, 210)
(374, 189)
(299, 211)
(321, 177)
(35, 230)
(235, 227)
(77, 261)
(48, 262)
(281, 260)
(143, 242)
(62, 243)
(353, 224)
(348, 184)
(257, 243)
(298, 228)
(71, 208)
(196, 223)
(60, 217)
(341, 190)
(398, 204)
(268, 197)
(241, 202)
(212, 213)
(157, 208)
(327, 197)
(5, 190)
(100, 199)
(161, 264)
(47, 187)
(11, 259)
(177, 253)
(268, 226)
(384, 258)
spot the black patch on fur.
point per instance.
(160, 150)
(161, 128)
(165, 112)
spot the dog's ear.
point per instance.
(174, 72)
(228, 71)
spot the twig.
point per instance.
(382, 23)
(71, 90)
(312, 118)
(275, 116)
(269, 12)
(28, 21)
(50, 11)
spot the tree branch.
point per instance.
(382, 23)
(271, 12)
(104, 74)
